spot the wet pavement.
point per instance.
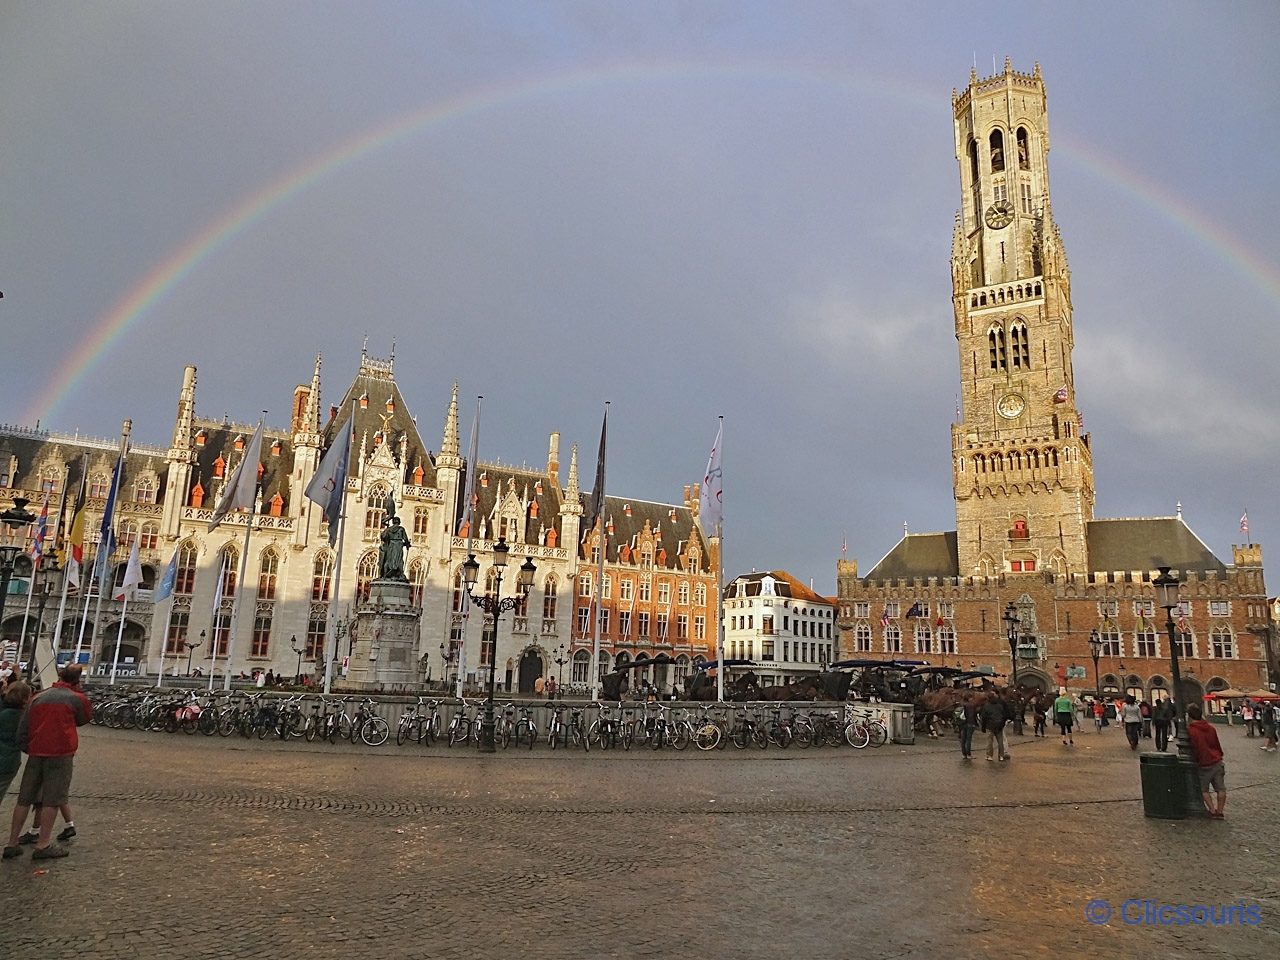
(192, 847)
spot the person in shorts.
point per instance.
(1208, 754)
(47, 734)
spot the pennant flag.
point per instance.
(73, 560)
(1244, 523)
(330, 482)
(106, 532)
(42, 530)
(595, 506)
(915, 611)
(170, 578)
(844, 546)
(712, 506)
(240, 489)
(884, 619)
(132, 574)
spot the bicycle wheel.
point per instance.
(553, 734)
(740, 736)
(227, 723)
(681, 735)
(760, 737)
(459, 730)
(402, 731)
(803, 734)
(375, 731)
(311, 728)
(593, 734)
(781, 735)
(856, 735)
(707, 736)
(208, 722)
(879, 733)
(190, 724)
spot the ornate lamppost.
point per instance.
(1166, 586)
(1095, 651)
(293, 642)
(15, 517)
(494, 605)
(1011, 624)
(191, 648)
(561, 660)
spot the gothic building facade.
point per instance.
(165, 504)
(1022, 470)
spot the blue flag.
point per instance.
(330, 482)
(165, 588)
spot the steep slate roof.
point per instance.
(675, 533)
(501, 479)
(34, 450)
(787, 586)
(375, 380)
(219, 441)
(919, 555)
(1146, 544)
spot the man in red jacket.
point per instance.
(47, 735)
(1208, 753)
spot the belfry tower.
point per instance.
(1022, 469)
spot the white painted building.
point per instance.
(781, 624)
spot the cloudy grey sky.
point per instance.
(688, 209)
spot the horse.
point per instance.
(702, 688)
(809, 688)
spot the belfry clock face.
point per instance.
(1010, 406)
(999, 214)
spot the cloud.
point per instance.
(842, 328)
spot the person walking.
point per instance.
(1065, 716)
(1146, 719)
(966, 717)
(1131, 717)
(14, 700)
(1246, 714)
(1208, 755)
(1161, 719)
(995, 714)
(1099, 714)
(551, 687)
(1269, 727)
(47, 734)
(1042, 718)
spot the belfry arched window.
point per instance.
(1024, 150)
(997, 151)
(1020, 349)
(996, 347)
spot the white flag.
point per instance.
(711, 508)
(240, 489)
(132, 574)
(330, 482)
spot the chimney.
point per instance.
(687, 501)
(301, 394)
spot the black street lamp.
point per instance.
(1011, 624)
(15, 517)
(293, 642)
(1095, 651)
(191, 648)
(561, 660)
(494, 605)
(1166, 586)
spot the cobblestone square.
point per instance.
(191, 847)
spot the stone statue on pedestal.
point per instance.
(395, 541)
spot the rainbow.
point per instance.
(220, 231)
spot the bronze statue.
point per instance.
(395, 541)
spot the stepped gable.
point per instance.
(629, 528)
(370, 391)
(494, 483)
(919, 556)
(1147, 544)
(213, 439)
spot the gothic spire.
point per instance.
(449, 445)
(311, 418)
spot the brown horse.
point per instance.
(810, 688)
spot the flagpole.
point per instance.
(217, 602)
(604, 546)
(240, 589)
(107, 533)
(62, 603)
(472, 453)
(164, 644)
(124, 608)
(720, 669)
(337, 473)
(337, 583)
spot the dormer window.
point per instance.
(239, 444)
(391, 405)
(418, 474)
(219, 467)
(201, 437)
(364, 401)
(275, 448)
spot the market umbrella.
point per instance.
(1261, 694)
(1231, 693)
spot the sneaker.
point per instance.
(989, 759)
(11, 852)
(67, 834)
(51, 852)
(31, 836)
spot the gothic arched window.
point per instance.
(366, 571)
(1024, 152)
(321, 577)
(996, 347)
(267, 574)
(1020, 347)
(997, 151)
(374, 514)
(187, 557)
(417, 573)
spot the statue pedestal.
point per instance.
(385, 653)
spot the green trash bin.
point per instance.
(1163, 786)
